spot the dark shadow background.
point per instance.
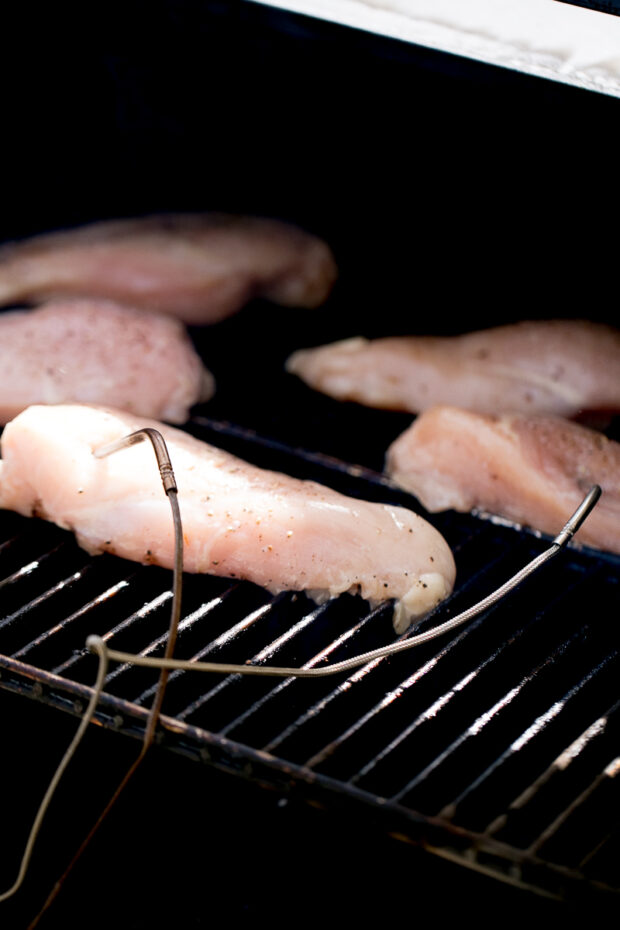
(452, 193)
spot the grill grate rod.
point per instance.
(186, 624)
(578, 748)
(260, 657)
(325, 653)
(600, 779)
(11, 541)
(223, 639)
(609, 774)
(160, 641)
(344, 687)
(536, 729)
(137, 615)
(596, 851)
(387, 700)
(434, 832)
(31, 566)
(179, 731)
(490, 715)
(430, 712)
(20, 573)
(310, 714)
(41, 598)
(57, 628)
(215, 644)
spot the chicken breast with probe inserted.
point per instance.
(198, 267)
(239, 521)
(530, 470)
(562, 367)
(96, 351)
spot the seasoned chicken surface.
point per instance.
(198, 267)
(531, 470)
(239, 521)
(560, 367)
(96, 351)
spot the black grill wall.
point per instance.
(453, 193)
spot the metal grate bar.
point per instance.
(537, 730)
(430, 713)
(318, 707)
(144, 611)
(585, 744)
(41, 598)
(610, 771)
(160, 641)
(610, 839)
(485, 628)
(491, 714)
(325, 653)
(344, 688)
(215, 644)
(186, 624)
(266, 653)
(585, 836)
(28, 568)
(47, 634)
(432, 665)
(7, 543)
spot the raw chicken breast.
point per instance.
(96, 351)
(561, 367)
(531, 470)
(198, 267)
(238, 520)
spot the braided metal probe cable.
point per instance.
(170, 487)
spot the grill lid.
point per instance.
(558, 43)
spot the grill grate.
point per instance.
(496, 747)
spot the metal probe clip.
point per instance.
(170, 487)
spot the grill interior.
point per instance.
(495, 748)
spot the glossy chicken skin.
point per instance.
(560, 367)
(198, 267)
(96, 351)
(530, 470)
(238, 520)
